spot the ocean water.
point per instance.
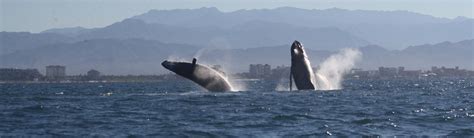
(181, 108)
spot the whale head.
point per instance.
(167, 64)
(297, 49)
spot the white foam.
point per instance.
(331, 72)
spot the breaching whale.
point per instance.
(205, 76)
(301, 70)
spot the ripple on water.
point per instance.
(176, 109)
(462, 132)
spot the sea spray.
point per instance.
(234, 82)
(237, 85)
(282, 85)
(202, 51)
(214, 44)
(331, 71)
(220, 46)
(201, 54)
(177, 58)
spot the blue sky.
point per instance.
(39, 15)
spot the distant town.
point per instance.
(265, 71)
(57, 73)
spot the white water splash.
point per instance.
(331, 72)
(237, 86)
(221, 45)
(177, 59)
(214, 44)
(213, 72)
(282, 85)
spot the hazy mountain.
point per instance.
(14, 41)
(246, 35)
(390, 29)
(328, 29)
(235, 39)
(395, 36)
(414, 57)
(421, 57)
(131, 56)
(72, 31)
(303, 17)
(137, 56)
(442, 54)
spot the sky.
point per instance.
(39, 15)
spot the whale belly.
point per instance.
(302, 75)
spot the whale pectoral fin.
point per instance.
(291, 80)
(193, 64)
(194, 61)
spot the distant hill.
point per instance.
(447, 54)
(390, 29)
(246, 35)
(138, 56)
(14, 41)
(421, 57)
(327, 29)
(296, 16)
(111, 56)
(442, 54)
(396, 36)
(139, 44)
(72, 31)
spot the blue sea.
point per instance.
(436, 107)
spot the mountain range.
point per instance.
(137, 56)
(138, 44)
(239, 29)
(390, 29)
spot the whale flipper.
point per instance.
(291, 81)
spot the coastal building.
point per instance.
(260, 70)
(55, 72)
(358, 73)
(385, 73)
(93, 75)
(411, 73)
(451, 72)
(267, 70)
(280, 72)
(388, 72)
(12, 74)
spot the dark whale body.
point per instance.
(205, 76)
(301, 70)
